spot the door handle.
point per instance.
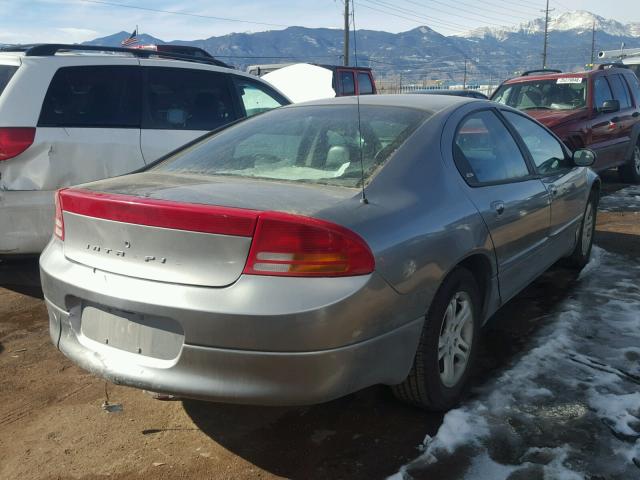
(498, 206)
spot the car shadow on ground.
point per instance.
(21, 276)
(370, 434)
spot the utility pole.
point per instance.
(593, 43)
(464, 82)
(546, 35)
(346, 33)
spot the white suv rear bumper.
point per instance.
(26, 221)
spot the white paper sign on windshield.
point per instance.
(570, 80)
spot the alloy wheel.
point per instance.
(587, 228)
(456, 337)
(636, 159)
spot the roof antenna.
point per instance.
(355, 56)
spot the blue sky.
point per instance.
(24, 21)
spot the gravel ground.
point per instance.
(53, 425)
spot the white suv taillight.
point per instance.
(58, 227)
(15, 140)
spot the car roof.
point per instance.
(549, 76)
(429, 103)
(555, 76)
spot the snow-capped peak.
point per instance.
(576, 20)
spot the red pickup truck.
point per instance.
(597, 109)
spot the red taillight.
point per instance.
(58, 226)
(291, 245)
(15, 140)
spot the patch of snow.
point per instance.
(310, 40)
(576, 20)
(569, 408)
(625, 200)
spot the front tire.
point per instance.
(447, 348)
(582, 251)
(630, 172)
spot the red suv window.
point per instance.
(620, 91)
(601, 91)
(347, 82)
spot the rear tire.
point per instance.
(448, 344)
(582, 251)
(630, 172)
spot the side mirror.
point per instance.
(610, 106)
(584, 157)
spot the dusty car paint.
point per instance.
(279, 340)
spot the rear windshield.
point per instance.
(6, 72)
(553, 94)
(315, 144)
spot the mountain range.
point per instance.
(422, 53)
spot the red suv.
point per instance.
(598, 109)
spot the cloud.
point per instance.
(77, 34)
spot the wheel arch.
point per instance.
(635, 139)
(483, 269)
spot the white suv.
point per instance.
(71, 114)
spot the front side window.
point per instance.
(365, 87)
(547, 153)
(183, 99)
(313, 144)
(257, 98)
(620, 91)
(93, 96)
(485, 152)
(601, 92)
(348, 85)
(568, 93)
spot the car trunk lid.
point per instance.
(176, 228)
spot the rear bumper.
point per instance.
(26, 221)
(253, 342)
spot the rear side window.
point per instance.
(6, 72)
(620, 91)
(257, 98)
(601, 92)
(634, 85)
(94, 96)
(182, 99)
(485, 152)
(348, 85)
(365, 87)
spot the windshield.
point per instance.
(317, 144)
(6, 72)
(568, 93)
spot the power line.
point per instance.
(186, 14)
(457, 12)
(414, 19)
(445, 12)
(513, 2)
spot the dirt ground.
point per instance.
(52, 425)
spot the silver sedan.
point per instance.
(315, 250)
